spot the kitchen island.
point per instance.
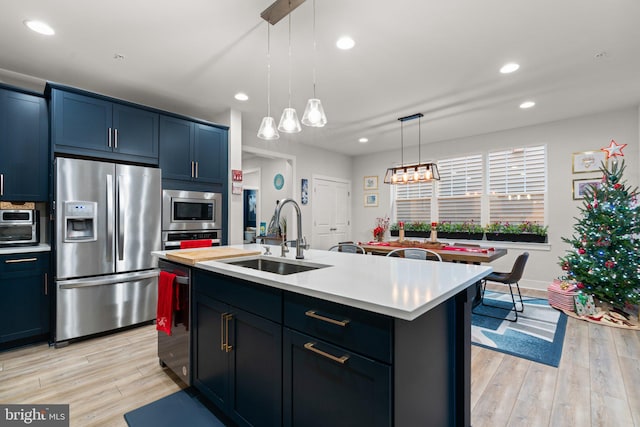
(354, 340)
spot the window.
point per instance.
(460, 189)
(413, 202)
(517, 185)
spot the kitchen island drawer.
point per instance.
(358, 330)
(23, 262)
(257, 299)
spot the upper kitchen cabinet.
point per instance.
(193, 155)
(103, 128)
(24, 142)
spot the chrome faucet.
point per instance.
(301, 243)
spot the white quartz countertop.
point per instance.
(397, 287)
(10, 250)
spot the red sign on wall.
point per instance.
(236, 175)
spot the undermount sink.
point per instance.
(276, 266)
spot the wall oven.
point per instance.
(18, 227)
(190, 215)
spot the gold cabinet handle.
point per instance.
(222, 343)
(311, 346)
(227, 318)
(313, 314)
(15, 261)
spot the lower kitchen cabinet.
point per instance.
(237, 358)
(326, 385)
(268, 357)
(24, 306)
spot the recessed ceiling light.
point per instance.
(527, 104)
(345, 43)
(363, 140)
(40, 27)
(509, 68)
(241, 96)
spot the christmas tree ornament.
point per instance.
(614, 149)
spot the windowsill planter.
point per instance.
(459, 235)
(407, 233)
(517, 237)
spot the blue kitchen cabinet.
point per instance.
(327, 385)
(103, 128)
(192, 155)
(24, 146)
(24, 306)
(237, 351)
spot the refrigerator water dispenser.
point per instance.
(80, 221)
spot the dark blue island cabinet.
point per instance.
(238, 348)
(102, 127)
(24, 146)
(192, 155)
(24, 286)
(326, 364)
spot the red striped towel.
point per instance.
(203, 243)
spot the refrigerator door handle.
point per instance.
(129, 277)
(109, 220)
(121, 221)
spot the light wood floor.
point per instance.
(596, 384)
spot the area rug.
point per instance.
(538, 334)
(179, 409)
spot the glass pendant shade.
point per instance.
(268, 129)
(289, 122)
(314, 114)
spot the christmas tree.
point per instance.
(605, 256)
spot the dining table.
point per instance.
(449, 253)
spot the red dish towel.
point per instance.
(165, 302)
(187, 244)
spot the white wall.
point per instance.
(233, 119)
(562, 139)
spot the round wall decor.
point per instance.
(278, 181)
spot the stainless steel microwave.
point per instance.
(18, 227)
(191, 210)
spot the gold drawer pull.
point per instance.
(312, 313)
(14, 261)
(311, 346)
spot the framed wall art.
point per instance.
(580, 186)
(370, 200)
(370, 183)
(588, 161)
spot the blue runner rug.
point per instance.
(176, 410)
(538, 334)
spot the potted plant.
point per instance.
(412, 229)
(526, 232)
(467, 230)
(417, 229)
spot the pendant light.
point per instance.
(415, 172)
(289, 122)
(314, 113)
(268, 130)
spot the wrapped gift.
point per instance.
(584, 305)
(560, 295)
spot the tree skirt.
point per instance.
(609, 319)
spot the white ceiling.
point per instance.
(437, 57)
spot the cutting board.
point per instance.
(193, 256)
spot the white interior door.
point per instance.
(331, 212)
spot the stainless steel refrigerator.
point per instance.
(107, 223)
